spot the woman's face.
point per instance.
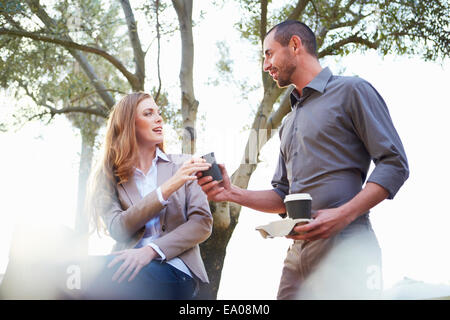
(149, 130)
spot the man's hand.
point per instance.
(261, 200)
(329, 222)
(216, 191)
(326, 223)
(134, 259)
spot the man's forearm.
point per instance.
(366, 199)
(261, 200)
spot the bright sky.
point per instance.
(40, 163)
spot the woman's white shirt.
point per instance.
(145, 184)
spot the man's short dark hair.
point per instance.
(286, 29)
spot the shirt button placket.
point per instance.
(297, 112)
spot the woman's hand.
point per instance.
(185, 173)
(134, 259)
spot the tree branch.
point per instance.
(10, 20)
(72, 45)
(158, 36)
(348, 5)
(263, 20)
(298, 10)
(86, 110)
(262, 34)
(353, 39)
(40, 116)
(52, 110)
(139, 55)
(317, 13)
(87, 94)
(79, 56)
(30, 94)
(336, 5)
(349, 23)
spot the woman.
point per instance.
(150, 204)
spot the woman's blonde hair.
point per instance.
(119, 155)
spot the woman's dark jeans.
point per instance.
(156, 281)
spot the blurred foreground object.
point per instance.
(409, 289)
(45, 262)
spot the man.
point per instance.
(336, 127)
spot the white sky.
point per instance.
(40, 163)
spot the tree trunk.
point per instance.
(226, 214)
(139, 55)
(213, 250)
(189, 105)
(81, 219)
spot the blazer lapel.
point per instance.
(165, 171)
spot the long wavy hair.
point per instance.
(120, 156)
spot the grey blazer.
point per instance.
(185, 221)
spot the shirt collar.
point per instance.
(159, 155)
(319, 84)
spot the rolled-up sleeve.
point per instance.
(280, 182)
(374, 126)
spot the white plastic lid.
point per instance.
(297, 196)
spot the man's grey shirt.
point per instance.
(334, 130)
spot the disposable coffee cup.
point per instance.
(298, 205)
(214, 170)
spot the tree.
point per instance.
(72, 58)
(189, 105)
(341, 28)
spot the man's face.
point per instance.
(278, 61)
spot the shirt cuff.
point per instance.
(158, 250)
(282, 195)
(160, 197)
(280, 192)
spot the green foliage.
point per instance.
(224, 65)
(48, 73)
(167, 18)
(10, 6)
(249, 25)
(342, 27)
(224, 68)
(51, 76)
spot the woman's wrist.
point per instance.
(167, 188)
(152, 252)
